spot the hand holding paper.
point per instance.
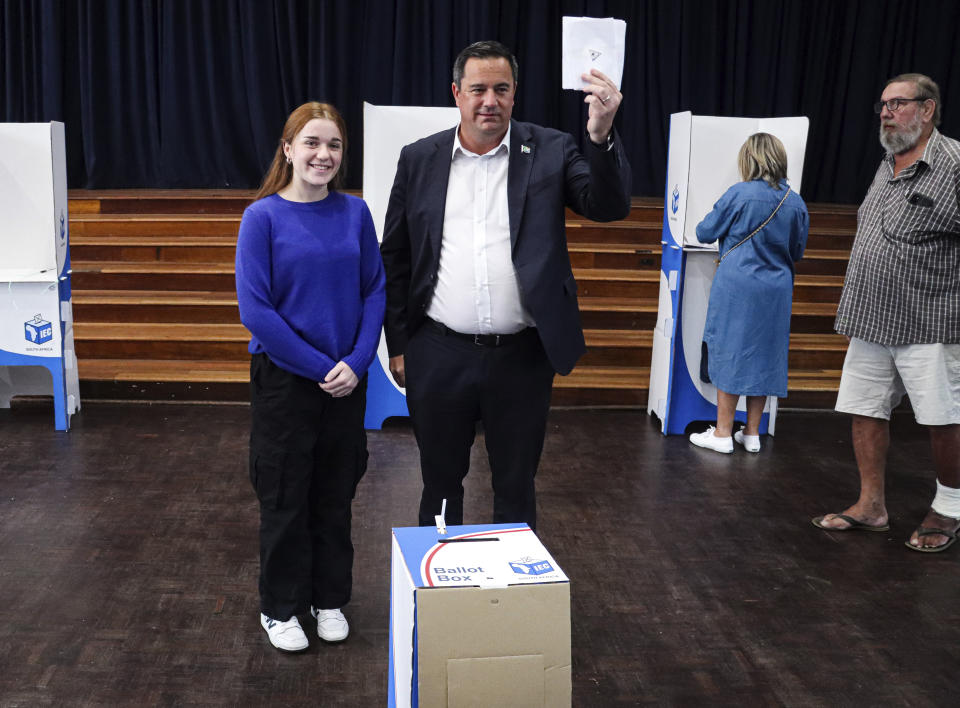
(604, 99)
(592, 54)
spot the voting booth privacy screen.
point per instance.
(36, 316)
(386, 129)
(479, 616)
(701, 166)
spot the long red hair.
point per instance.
(281, 172)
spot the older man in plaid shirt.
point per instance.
(900, 309)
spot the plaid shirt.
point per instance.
(903, 279)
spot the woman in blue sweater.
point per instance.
(310, 286)
(762, 227)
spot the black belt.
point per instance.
(481, 340)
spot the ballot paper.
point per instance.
(592, 43)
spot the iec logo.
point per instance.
(37, 330)
(529, 566)
(675, 202)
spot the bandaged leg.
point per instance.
(947, 501)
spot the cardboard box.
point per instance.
(479, 617)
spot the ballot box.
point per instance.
(479, 617)
(36, 316)
(701, 166)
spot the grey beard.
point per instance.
(901, 140)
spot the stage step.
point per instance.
(614, 255)
(632, 232)
(632, 282)
(179, 380)
(234, 201)
(155, 306)
(156, 313)
(165, 370)
(618, 312)
(159, 201)
(839, 216)
(137, 340)
(178, 249)
(135, 275)
(194, 381)
(90, 253)
(173, 341)
(610, 347)
(154, 225)
(823, 261)
(639, 313)
(813, 388)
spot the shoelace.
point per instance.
(283, 626)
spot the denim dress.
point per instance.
(747, 332)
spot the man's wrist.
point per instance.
(605, 145)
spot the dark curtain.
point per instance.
(193, 93)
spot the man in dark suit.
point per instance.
(481, 299)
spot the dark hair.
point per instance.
(927, 89)
(487, 49)
(280, 171)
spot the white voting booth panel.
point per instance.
(36, 316)
(386, 129)
(701, 166)
(479, 616)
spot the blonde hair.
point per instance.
(280, 171)
(763, 157)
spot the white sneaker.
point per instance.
(708, 440)
(751, 443)
(331, 625)
(285, 636)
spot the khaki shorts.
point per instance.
(875, 377)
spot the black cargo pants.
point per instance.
(308, 451)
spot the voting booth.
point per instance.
(386, 129)
(479, 616)
(36, 317)
(701, 166)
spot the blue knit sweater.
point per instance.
(310, 283)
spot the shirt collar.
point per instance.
(933, 142)
(504, 144)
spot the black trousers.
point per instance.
(308, 451)
(453, 383)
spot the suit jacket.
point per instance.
(546, 173)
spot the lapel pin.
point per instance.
(525, 148)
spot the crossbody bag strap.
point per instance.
(757, 230)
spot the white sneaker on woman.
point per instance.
(710, 441)
(285, 636)
(751, 443)
(331, 625)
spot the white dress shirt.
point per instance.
(477, 290)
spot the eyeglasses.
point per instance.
(894, 104)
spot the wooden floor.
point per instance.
(128, 566)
